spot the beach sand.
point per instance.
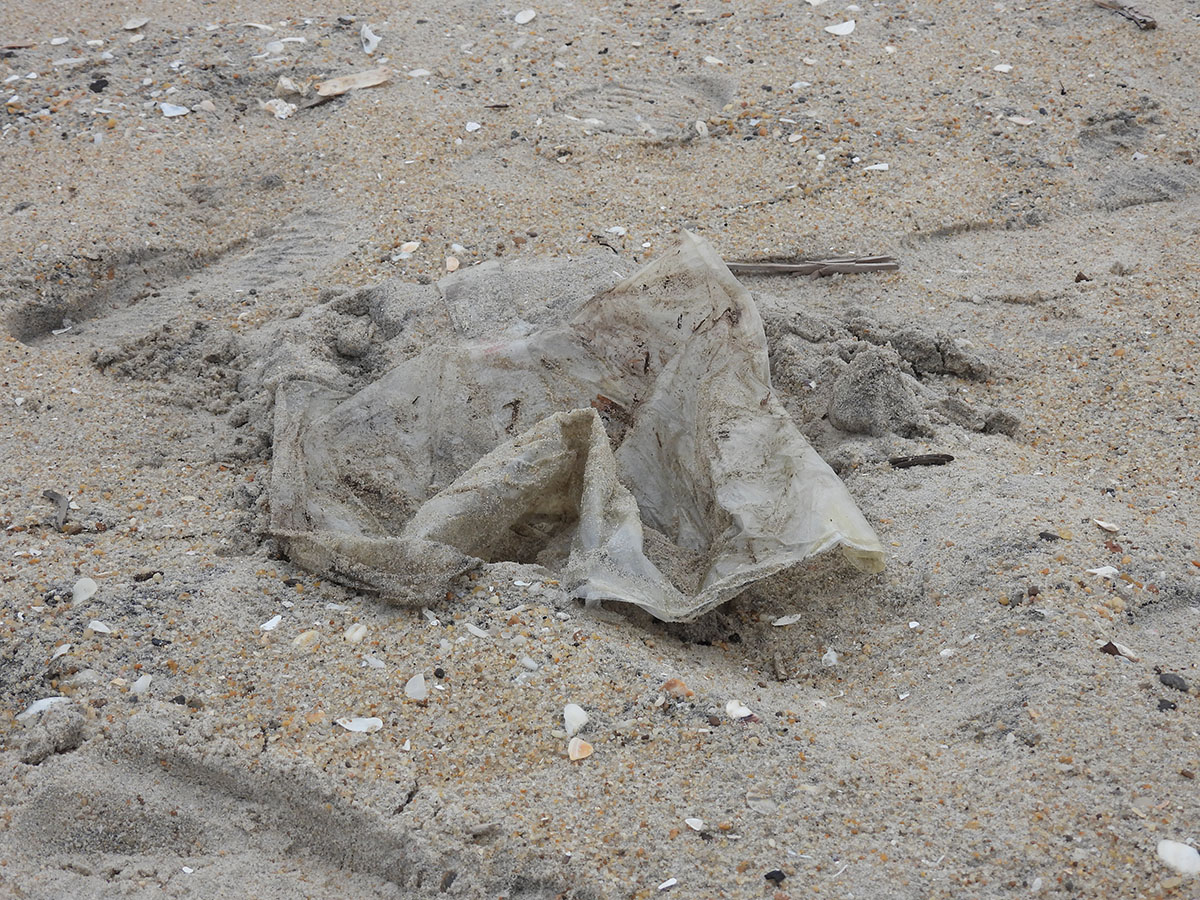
(976, 735)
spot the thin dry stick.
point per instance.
(847, 265)
(1137, 17)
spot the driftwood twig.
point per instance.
(1137, 17)
(846, 265)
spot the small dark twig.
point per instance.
(924, 459)
(1137, 17)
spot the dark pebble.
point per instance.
(714, 721)
(439, 672)
(1171, 680)
(1049, 536)
(775, 876)
(179, 699)
(1166, 706)
(98, 85)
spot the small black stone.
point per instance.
(179, 699)
(775, 876)
(159, 642)
(98, 85)
(1166, 706)
(1171, 680)
(439, 672)
(1049, 536)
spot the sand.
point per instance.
(972, 739)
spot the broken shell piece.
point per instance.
(334, 87)
(415, 688)
(271, 624)
(525, 16)
(413, 247)
(451, 264)
(677, 689)
(61, 650)
(286, 87)
(574, 717)
(97, 627)
(40, 706)
(141, 685)
(736, 711)
(1106, 526)
(1104, 571)
(578, 749)
(306, 640)
(355, 633)
(1183, 859)
(841, 29)
(1112, 648)
(135, 23)
(830, 657)
(761, 802)
(171, 110)
(280, 108)
(370, 40)
(694, 823)
(783, 621)
(362, 725)
(85, 589)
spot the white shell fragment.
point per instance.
(578, 749)
(410, 246)
(1104, 571)
(841, 29)
(452, 264)
(1003, 67)
(1106, 526)
(355, 633)
(98, 627)
(1020, 120)
(171, 110)
(415, 688)
(85, 589)
(736, 711)
(370, 40)
(306, 640)
(419, 73)
(783, 621)
(694, 823)
(40, 706)
(830, 657)
(135, 23)
(271, 624)
(333, 87)
(473, 126)
(280, 108)
(362, 725)
(373, 662)
(574, 717)
(60, 650)
(525, 16)
(141, 685)
(878, 167)
(668, 884)
(1183, 859)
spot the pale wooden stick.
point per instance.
(846, 265)
(1138, 18)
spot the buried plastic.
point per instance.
(636, 450)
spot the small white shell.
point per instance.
(736, 711)
(98, 627)
(525, 16)
(355, 633)
(141, 685)
(40, 706)
(271, 624)
(1180, 857)
(574, 717)
(578, 749)
(694, 824)
(842, 29)
(85, 589)
(370, 40)
(415, 688)
(362, 725)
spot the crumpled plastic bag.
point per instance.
(635, 450)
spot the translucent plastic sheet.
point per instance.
(636, 450)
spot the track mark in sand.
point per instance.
(114, 299)
(659, 111)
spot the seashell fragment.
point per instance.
(271, 624)
(842, 29)
(85, 589)
(306, 640)
(40, 706)
(97, 627)
(413, 247)
(362, 725)
(370, 40)
(451, 264)
(415, 688)
(525, 16)
(1106, 526)
(141, 685)
(61, 650)
(784, 621)
(135, 23)
(355, 633)
(578, 749)
(171, 110)
(574, 717)
(280, 108)
(694, 824)
(1180, 857)
(334, 87)
(736, 711)
(677, 689)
